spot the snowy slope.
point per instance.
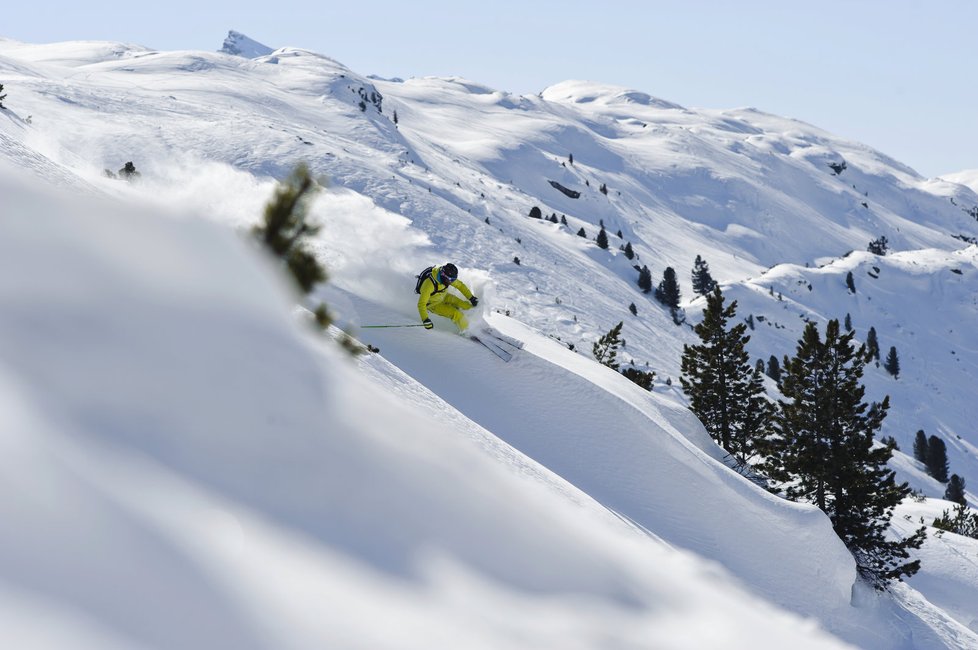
(454, 178)
(967, 177)
(183, 467)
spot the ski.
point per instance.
(516, 344)
(494, 347)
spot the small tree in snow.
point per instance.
(920, 446)
(668, 290)
(645, 280)
(937, 459)
(774, 369)
(955, 490)
(892, 363)
(703, 282)
(878, 246)
(602, 239)
(605, 351)
(872, 346)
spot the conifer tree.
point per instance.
(725, 392)
(955, 490)
(937, 459)
(892, 363)
(129, 172)
(285, 228)
(2, 97)
(824, 452)
(920, 446)
(632, 308)
(878, 246)
(563, 220)
(602, 239)
(848, 323)
(703, 282)
(774, 369)
(605, 351)
(963, 522)
(629, 253)
(645, 280)
(850, 283)
(668, 290)
(872, 346)
(581, 233)
(641, 378)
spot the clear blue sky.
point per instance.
(898, 75)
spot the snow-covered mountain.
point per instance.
(238, 44)
(286, 499)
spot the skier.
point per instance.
(433, 287)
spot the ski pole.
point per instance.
(366, 327)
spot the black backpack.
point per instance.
(424, 275)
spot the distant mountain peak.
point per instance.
(237, 44)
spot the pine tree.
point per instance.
(581, 233)
(824, 452)
(639, 377)
(937, 459)
(962, 523)
(563, 220)
(892, 363)
(605, 351)
(668, 290)
(632, 308)
(129, 172)
(920, 446)
(2, 97)
(703, 282)
(536, 212)
(285, 228)
(629, 253)
(725, 392)
(850, 282)
(955, 490)
(602, 239)
(872, 346)
(774, 369)
(848, 322)
(878, 246)
(645, 280)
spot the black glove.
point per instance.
(474, 301)
(427, 323)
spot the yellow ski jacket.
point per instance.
(434, 292)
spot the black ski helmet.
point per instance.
(449, 273)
